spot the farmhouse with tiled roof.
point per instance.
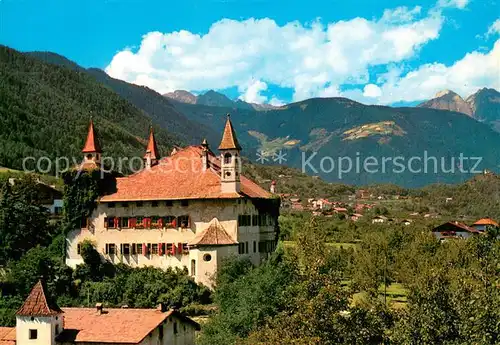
(188, 210)
(40, 321)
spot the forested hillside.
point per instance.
(45, 111)
(156, 106)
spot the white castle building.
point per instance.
(191, 209)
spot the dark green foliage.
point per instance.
(154, 105)
(245, 297)
(45, 110)
(23, 221)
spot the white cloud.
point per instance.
(311, 59)
(461, 4)
(252, 92)
(494, 28)
(401, 14)
(372, 90)
(474, 71)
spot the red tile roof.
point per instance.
(92, 142)
(486, 221)
(124, 326)
(454, 226)
(229, 141)
(7, 336)
(37, 304)
(180, 176)
(152, 149)
(215, 235)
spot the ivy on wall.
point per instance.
(82, 189)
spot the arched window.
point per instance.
(89, 156)
(193, 268)
(227, 158)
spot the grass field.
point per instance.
(395, 296)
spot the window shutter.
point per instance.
(160, 249)
(174, 223)
(160, 223)
(116, 222)
(105, 222)
(173, 248)
(144, 249)
(179, 248)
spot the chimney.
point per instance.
(204, 154)
(98, 307)
(162, 307)
(273, 187)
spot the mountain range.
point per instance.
(46, 101)
(215, 99)
(483, 105)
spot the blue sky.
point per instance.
(271, 50)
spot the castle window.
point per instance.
(255, 220)
(125, 204)
(110, 248)
(110, 222)
(184, 203)
(193, 267)
(154, 203)
(33, 334)
(207, 257)
(154, 248)
(175, 328)
(124, 222)
(246, 247)
(183, 221)
(138, 248)
(154, 222)
(244, 220)
(126, 249)
(254, 247)
(185, 248)
(227, 158)
(139, 204)
(241, 248)
(139, 222)
(78, 248)
(84, 223)
(111, 204)
(89, 157)
(168, 222)
(169, 203)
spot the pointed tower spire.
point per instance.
(151, 157)
(39, 320)
(92, 142)
(37, 303)
(230, 160)
(92, 149)
(229, 141)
